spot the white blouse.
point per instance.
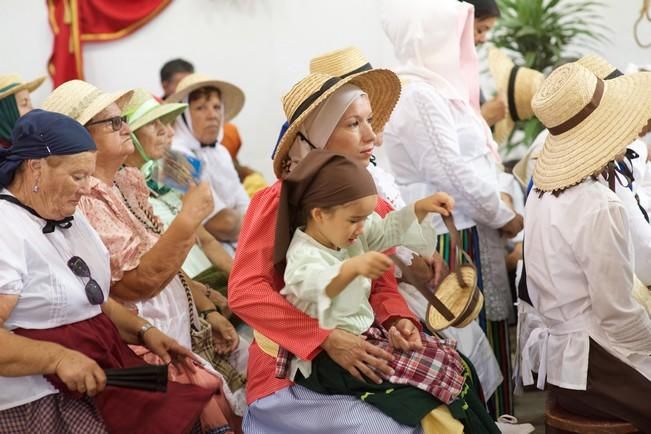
(33, 266)
(435, 144)
(580, 261)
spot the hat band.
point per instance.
(510, 94)
(365, 67)
(313, 97)
(581, 115)
(12, 85)
(616, 73)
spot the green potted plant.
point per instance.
(541, 34)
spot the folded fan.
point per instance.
(147, 377)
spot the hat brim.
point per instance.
(167, 113)
(231, 95)
(624, 110)
(30, 86)
(383, 89)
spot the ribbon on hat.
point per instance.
(50, 225)
(582, 114)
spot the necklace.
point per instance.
(152, 224)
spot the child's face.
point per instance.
(341, 226)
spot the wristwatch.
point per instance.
(141, 333)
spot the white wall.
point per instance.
(263, 46)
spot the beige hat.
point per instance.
(341, 63)
(590, 122)
(82, 101)
(143, 109)
(599, 66)
(518, 86)
(231, 95)
(381, 85)
(11, 84)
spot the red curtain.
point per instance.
(75, 22)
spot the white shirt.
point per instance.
(34, 267)
(580, 262)
(435, 144)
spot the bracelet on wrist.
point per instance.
(141, 332)
(204, 313)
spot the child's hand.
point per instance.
(440, 203)
(371, 264)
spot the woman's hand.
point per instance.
(371, 264)
(168, 349)
(225, 335)
(220, 301)
(513, 227)
(198, 202)
(80, 373)
(440, 203)
(405, 336)
(357, 356)
(493, 110)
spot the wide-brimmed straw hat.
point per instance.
(11, 84)
(232, 96)
(82, 101)
(517, 85)
(143, 108)
(381, 85)
(590, 122)
(599, 66)
(340, 63)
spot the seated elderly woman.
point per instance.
(594, 340)
(199, 130)
(15, 102)
(54, 299)
(338, 114)
(145, 260)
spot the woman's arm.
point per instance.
(214, 250)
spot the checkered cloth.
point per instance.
(57, 414)
(436, 369)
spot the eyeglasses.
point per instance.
(116, 122)
(94, 292)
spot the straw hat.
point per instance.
(599, 66)
(143, 109)
(340, 63)
(590, 122)
(381, 85)
(231, 95)
(518, 85)
(11, 84)
(82, 101)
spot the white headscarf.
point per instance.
(319, 125)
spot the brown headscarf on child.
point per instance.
(323, 179)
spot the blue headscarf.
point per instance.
(40, 134)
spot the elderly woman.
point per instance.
(438, 141)
(14, 103)
(328, 112)
(145, 261)
(594, 341)
(150, 121)
(54, 298)
(199, 130)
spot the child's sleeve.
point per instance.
(400, 228)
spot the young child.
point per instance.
(328, 238)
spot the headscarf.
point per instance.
(434, 42)
(8, 116)
(40, 134)
(323, 179)
(485, 8)
(319, 125)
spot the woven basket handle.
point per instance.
(455, 242)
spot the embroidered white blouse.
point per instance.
(436, 144)
(34, 267)
(580, 263)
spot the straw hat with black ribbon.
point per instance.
(599, 67)
(232, 96)
(10, 84)
(82, 101)
(381, 85)
(517, 85)
(590, 122)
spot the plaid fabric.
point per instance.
(436, 369)
(283, 360)
(53, 414)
